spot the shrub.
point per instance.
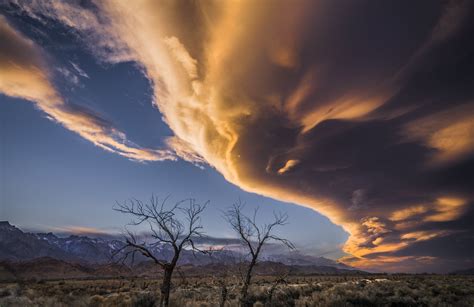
(4, 292)
(145, 300)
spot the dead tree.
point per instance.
(223, 291)
(176, 226)
(223, 278)
(253, 238)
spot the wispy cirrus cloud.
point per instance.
(23, 74)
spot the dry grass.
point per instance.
(386, 290)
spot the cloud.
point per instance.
(79, 70)
(23, 74)
(358, 200)
(422, 235)
(447, 209)
(288, 166)
(68, 75)
(185, 151)
(358, 100)
(82, 230)
(408, 213)
(450, 132)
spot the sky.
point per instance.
(355, 118)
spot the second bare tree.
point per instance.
(254, 237)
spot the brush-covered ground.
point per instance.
(370, 290)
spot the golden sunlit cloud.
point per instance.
(410, 212)
(390, 263)
(447, 209)
(450, 132)
(422, 235)
(260, 95)
(81, 230)
(288, 165)
(23, 75)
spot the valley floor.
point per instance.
(340, 290)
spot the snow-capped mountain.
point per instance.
(90, 249)
(16, 245)
(296, 258)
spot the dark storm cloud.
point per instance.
(417, 174)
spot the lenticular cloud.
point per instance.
(331, 106)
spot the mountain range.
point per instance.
(24, 254)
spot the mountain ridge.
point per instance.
(17, 245)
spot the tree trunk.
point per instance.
(223, 297)
(166, 287)
(245, 287)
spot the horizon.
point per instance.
(228, 246)
(222, 245)
(355, 120)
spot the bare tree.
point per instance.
(176, 226)
(221, 282)
(225, 277)
(253, 238)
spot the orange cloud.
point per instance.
(447, 209)
(80, 230)
(407, 213)
(245, 87)
(288, 165)
(391, 263)
(450, 132)
(422, 235)
(23, 75)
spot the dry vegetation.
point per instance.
(384, 290)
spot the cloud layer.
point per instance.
(361, 110)
(23, 74)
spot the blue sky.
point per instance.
(53, 179)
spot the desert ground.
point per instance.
(322, 290)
